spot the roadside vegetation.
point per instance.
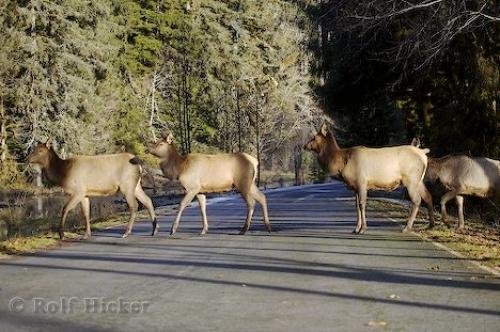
(50, 239)
(29, 244)
(480, 241)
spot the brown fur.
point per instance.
(203, 173)
(363, 168)
(82, 177)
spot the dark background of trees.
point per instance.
(391, 70)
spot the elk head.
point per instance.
(319, 140)
(162, 147)
(432, 171)
(415, 142)
(40, 154)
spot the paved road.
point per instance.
(311, 274)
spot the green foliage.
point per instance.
(103, 75)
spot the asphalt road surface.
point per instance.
(310, 274)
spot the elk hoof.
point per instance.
(87, 236)
(362, 231)
(242, 232)
(156, 228)
(355, 231)
(460, 230)
(203, 232)
(126, 234)
(406, 229)
(269, 229)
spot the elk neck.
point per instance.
(332, 157)
(57, 168)
(172, 163)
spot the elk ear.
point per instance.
(324, 129)
(170, 138)
(415, 142)
(166, 135)
(48, 143)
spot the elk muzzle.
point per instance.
(309, 145)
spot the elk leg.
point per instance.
(446, 197)
(85, 204)
(202, 199)
(358, 214)
(426, 196)
(250, 207)
(70, 205)
(415, 199)
(146, 201)
(185, 201)
(460, 204)
(132, 205)
(261, 198)
(362, 206)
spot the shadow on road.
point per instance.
(356, 273)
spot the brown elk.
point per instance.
(463, 175)
(363, 168)
(82, 177)
(204, 173)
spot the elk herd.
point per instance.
(360, 168)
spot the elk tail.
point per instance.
(136, 161)
(426, 162)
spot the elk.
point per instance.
(362, 169)
(463, 175)
(82, 177)
(204, 173)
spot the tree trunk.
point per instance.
(299, 172)
(153, 105)
(187, 118)
(238, 119)
(3, 134)
(38, 176)
(257, 143)
(180, 114)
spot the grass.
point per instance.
(29, 244)
(479, 241)
(112, 221)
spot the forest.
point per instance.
(102, 76)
